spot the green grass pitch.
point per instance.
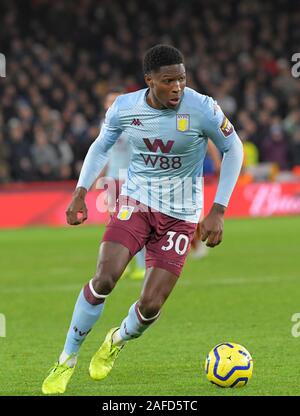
(245, 291)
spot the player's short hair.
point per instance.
(161, 55)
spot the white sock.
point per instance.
(63, 358)
(116, 338)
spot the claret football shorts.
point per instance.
(167, 239)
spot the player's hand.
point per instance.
(211, 228)
(76, 207)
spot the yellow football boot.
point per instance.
(104, 359)
(58, 378)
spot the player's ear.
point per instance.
(149, 80)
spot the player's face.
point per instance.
(166, 86)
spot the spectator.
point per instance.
(250, 151)
(19, 153)
(4, 157)
(295, 148)
(275, 146)
(44, 157)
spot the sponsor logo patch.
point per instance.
(226, 127)
(182, 122)
(125, 212)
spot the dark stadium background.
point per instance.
(62, 57)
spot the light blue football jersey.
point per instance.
(168, 150)
(119, 156)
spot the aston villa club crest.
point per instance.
(125, 212)
(182, 122)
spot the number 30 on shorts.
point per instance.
(180, 243)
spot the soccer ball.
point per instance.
(229, 365)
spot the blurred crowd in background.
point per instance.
(63, 58)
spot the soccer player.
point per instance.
(168, 125)
(118, 161)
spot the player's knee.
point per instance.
(149, 307)
(103, 282)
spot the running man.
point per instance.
(168, 125)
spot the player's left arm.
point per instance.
(215, 156)
(219, 129)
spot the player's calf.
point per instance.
(134, 325)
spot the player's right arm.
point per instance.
(219, 129)
(93, 164)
